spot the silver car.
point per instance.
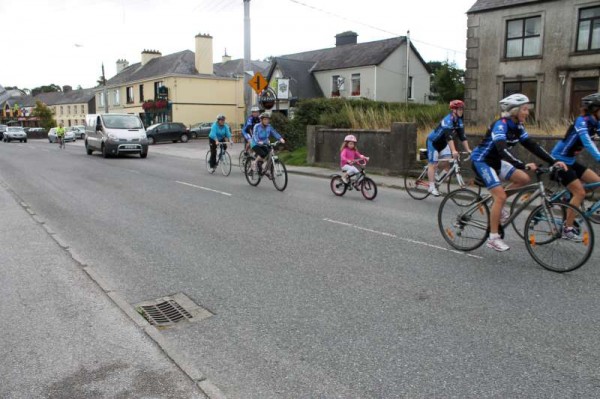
(79, 131)
(69, 136)
(14, 133)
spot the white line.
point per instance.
(381, 233)
(204, 188)
(134, 171)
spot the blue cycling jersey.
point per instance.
(262, 133)
(219, 133)
(446, 130)
(503, 130)
(578, 137)
(249, 127)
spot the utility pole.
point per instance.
(247, 67)
(105, 91)
(407, 63)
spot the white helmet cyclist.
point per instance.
(264, 115)
(255, 109)
(220, 117)
(513, 101)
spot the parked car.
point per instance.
(79, 131)
(115, 134)
(2, 130)
(168, 131)
(36, 130)
(14, 133)
(69, 136)
(201, 129)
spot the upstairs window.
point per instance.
(356, 84)
(524, 37)
(335, 85)
(588, 32)
(117, 97)
(130, 95)
(410, 88)
(141, 93)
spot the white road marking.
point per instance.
(134, 171)
(381, 233)
(204, 188)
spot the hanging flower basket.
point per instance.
(149, 106)
(160, 104)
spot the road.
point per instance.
(314, 295)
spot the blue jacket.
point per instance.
(219, 133)
(578, 137)
(446, 130)
(262, 134)
(249, 127)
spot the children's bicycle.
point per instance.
(272, 168)
(223, 160)
(359, 182)
(418, 187)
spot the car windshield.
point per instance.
(15, 129)
(122, 122)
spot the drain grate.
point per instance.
(168, 311)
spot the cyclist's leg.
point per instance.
(432, 158)
(518, 178)
(573, 179)
(213, 153)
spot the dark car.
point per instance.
(2, 130)
(168, 131)
(200, 129)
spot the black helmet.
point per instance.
(591, 102)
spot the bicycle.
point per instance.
(61, 142)
(418, 188)
(242, 158)
(223, 159)
(358, 181)
(464, 218)
(273, 168)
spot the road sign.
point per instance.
(258, 82)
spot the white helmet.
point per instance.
(513, 101)
(255, 109)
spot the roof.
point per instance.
(489, 5)
(13, 97)
(236, 67)
(303, 84)
(80, 96)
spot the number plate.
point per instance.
(130, 147)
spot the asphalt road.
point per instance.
(316, 296)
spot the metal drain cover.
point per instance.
(168, 311)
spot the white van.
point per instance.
(114, 134)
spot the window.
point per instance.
(69, 121)
(335, 85)
(61, 110)
(410, 87)
(69, 110)
(529, 88)
(156, 86)
(588, 32)
(101, 99)
(83, 109)
(524, 37)
(356, 84)
(130, 95)
(141, 93)
(117, 97)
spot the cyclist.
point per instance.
(252, 121)
(441, 140)
(578, 137)
(260, 139)
(348, 154)
(492, 160)
(60, 135)
(219, 133)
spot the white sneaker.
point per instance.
(504, 216)
(497, 244)
(571, 234)
(434, 191)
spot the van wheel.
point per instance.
(184, 138)
(143, 154)
(104, 151)
(87, 149)
(151, 140)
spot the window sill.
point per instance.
(586, 52)
(536, 57)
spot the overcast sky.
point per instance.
(65, 41)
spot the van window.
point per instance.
(122, 122)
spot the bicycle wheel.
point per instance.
(594, 212)
(519, 221)
(418, 187)
(208, 163)
(242, 160)
(279, 174)
(225, 163)
(545, 242)
(457, 180)
(464, 220)
(338, 186)
(252, 176)
(368, 188)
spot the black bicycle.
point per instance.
(223, 160)
(272, 167)
(359, 182)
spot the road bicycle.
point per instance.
(359, 182)
(242, 158)
(61, 142)
(418, 187)
(223, 160)
(272, 167)
(464, 219)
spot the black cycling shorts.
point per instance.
(575, 171)
(261, 150)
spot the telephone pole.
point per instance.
(104, 92)
(247, 67)
(407, 63)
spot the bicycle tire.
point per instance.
(463, 224)
(242, 160)
(252, 177)
(337, 185)
(279, 174)
(455, 180)
(518, 223)
(594, 215)
(554, 252)
(368, 188)
(417, 188)
(208, 168)
(225, 164)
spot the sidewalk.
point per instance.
(62, 335)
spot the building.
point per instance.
(546, 49)
(182, 87)
(16, 108)
(70, 106)
(374, 70)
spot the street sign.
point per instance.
(258, 82)
(267, 99)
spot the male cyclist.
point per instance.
(60, 135)
(219, 133)
(493, 161)
(248, 128)
(260, 139)
(442, 137)
(578, 137)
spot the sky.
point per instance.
(65, 42)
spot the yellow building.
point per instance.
(186, 86)
(70, 106)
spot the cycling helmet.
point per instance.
(255, 109)
(456, 104)
(220, 117)
(591, 102)
(513, 101)
(264, 115)
(351, 138)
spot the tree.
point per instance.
(45, 115)
(45, 89)
(448, 81)
(101, 81)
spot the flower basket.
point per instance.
(160, 104)
(149, 106)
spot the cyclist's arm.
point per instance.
(213, 132)
(538, 150)
(274, 133)
(589, 145)
(506, 155)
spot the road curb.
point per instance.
(321, 176)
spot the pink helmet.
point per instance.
(351, 138)
(456, 104)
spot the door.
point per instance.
(162, 132)
(581, 87)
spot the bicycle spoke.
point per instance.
(463, 221)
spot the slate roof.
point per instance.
(236, 67)
(15, 96)
(72, 97)
(488, 5)
(302, 82)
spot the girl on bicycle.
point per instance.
(348, 154)
(578, 137)
(441, 140)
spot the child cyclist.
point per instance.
(348, 154)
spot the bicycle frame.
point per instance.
(446, 174)
(588, 187)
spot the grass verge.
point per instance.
(294, 158)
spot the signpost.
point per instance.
(258, 82)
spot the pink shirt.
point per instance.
(349, 155)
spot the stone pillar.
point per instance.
(403, 146)
(472, 72)
(312, 147)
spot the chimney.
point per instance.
(204, 54)
(148, 55)
(121, 64)
(344, 38)
(226, 57)
(67, 89)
